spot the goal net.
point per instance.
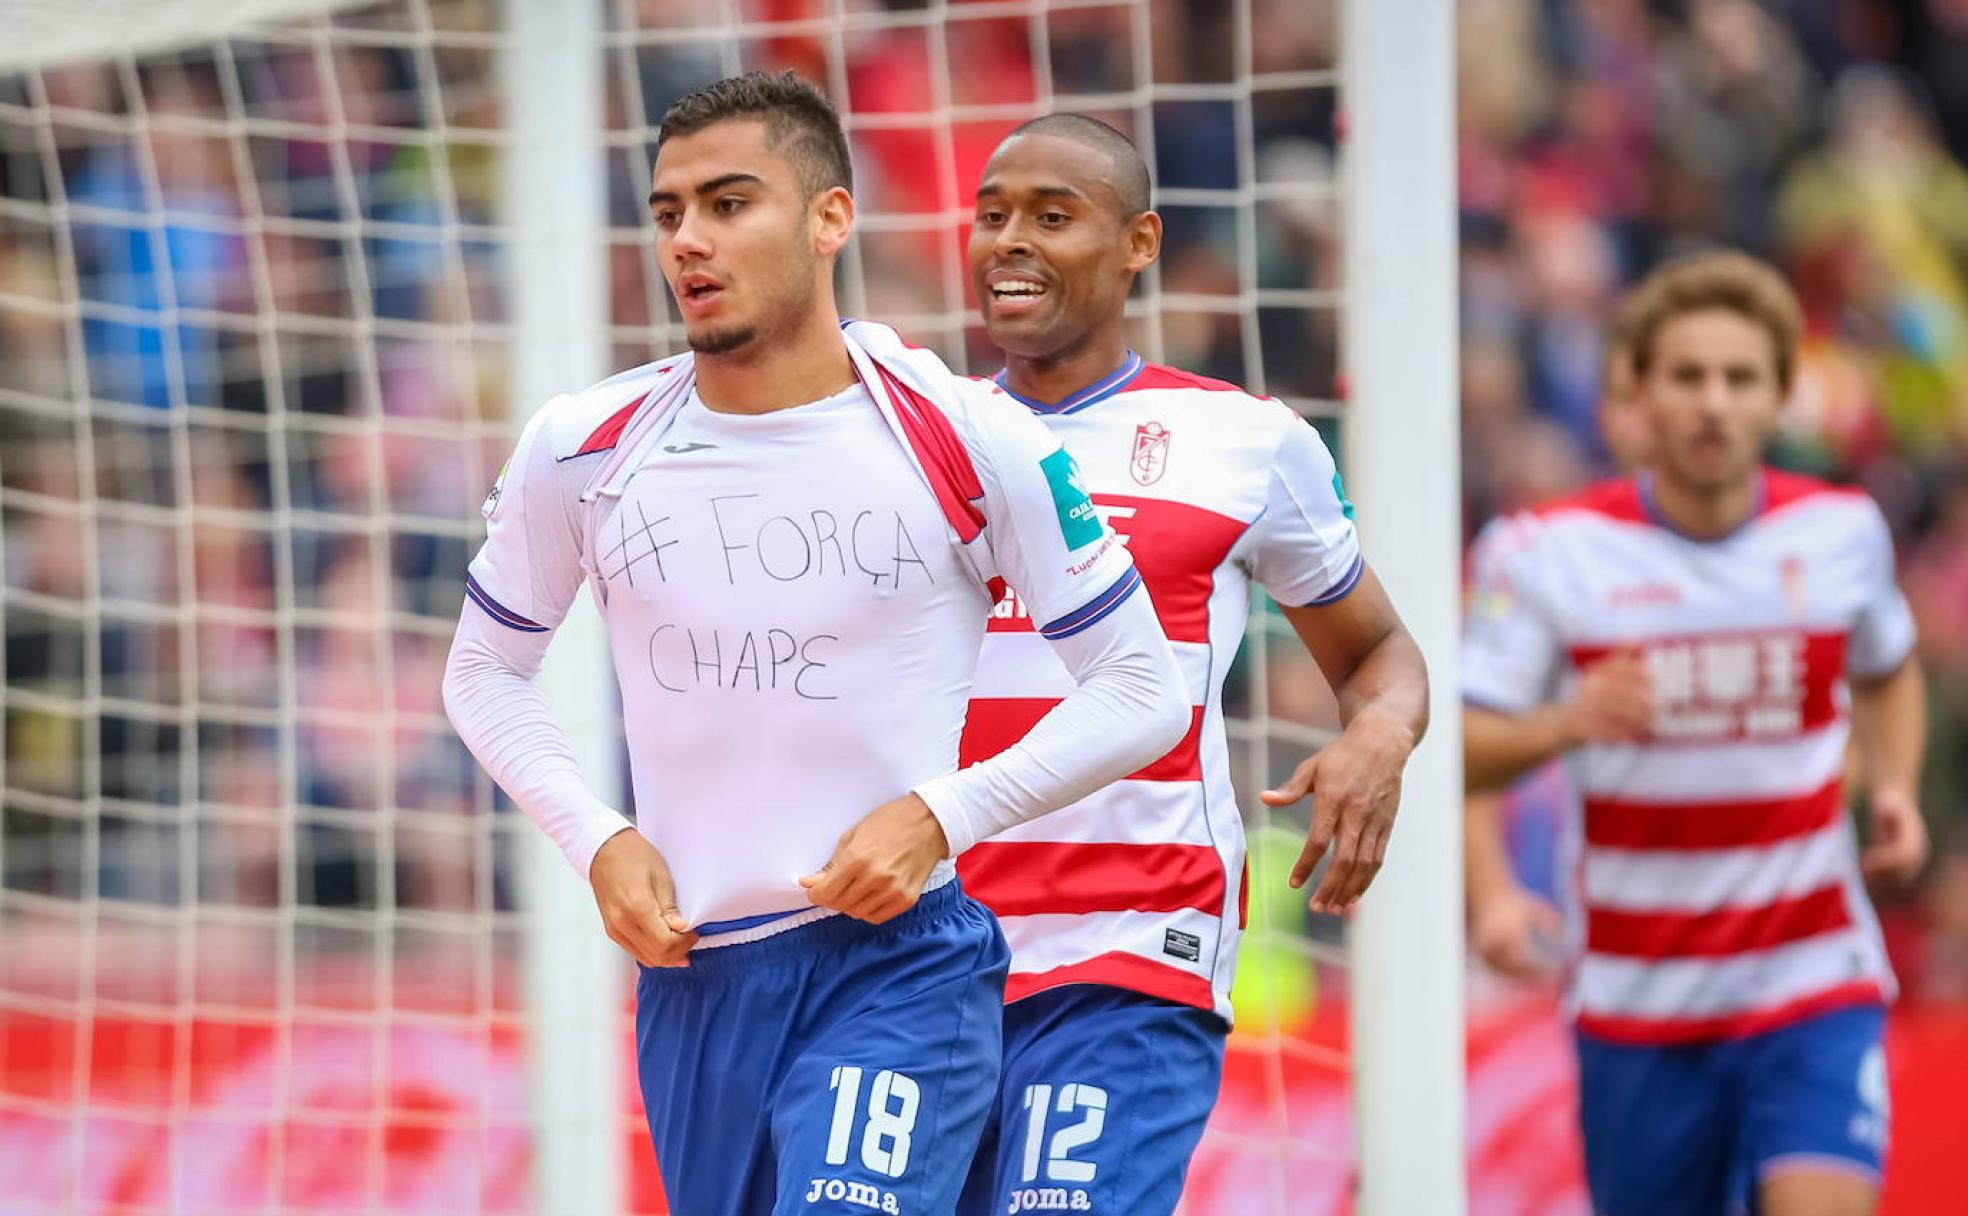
(263, 923)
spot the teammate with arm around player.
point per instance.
(1123, 910)
(1729, 998)
(790, 533)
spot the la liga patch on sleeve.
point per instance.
(1077, 521)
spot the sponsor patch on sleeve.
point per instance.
(498, 487)
(1077, 521)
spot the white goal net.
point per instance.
(262, 920)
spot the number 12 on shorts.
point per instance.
(1057, 1156)
(893, 1099)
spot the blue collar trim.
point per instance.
(1092, 394)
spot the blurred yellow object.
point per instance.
(1277, 986)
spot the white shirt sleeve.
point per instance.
(1883, 635)
(1303, 548)
(518, 590)
(1510, 646)
(1130, 706)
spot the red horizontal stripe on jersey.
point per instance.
(1618, 824)
(1040, 878)
(1177, 546)
(1814, 688)
(995, 723)
(1664, 1031)
(1718, 934)
(1118, 970)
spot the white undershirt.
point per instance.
(795, 636)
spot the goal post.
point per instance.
(555, 218)
(278, 277)
(1403, 469)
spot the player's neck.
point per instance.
(1051, 379)
(780, 371)
(1702, 512)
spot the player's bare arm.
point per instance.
(1381, 681)
(1514, 931)
(1889, 726)
(1613, 703)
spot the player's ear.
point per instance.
(1144, 241)
(831, 220)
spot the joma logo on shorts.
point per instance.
(1049, 1199)
(861, 1194)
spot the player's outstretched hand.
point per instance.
(1356, 781)
(638, 903)
(1516, 933)
(879, 867)
(1899, 838)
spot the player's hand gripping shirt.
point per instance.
(1717, 876)
(793, 622)
(1140, 885)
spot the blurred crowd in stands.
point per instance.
(297, 321)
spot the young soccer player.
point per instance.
(790, 532)
(1516, 932)
(1124, 910)
(1702, 639)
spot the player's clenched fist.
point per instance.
(637, 898)
(879, 867)
(1614, 702)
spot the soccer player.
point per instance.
(1516, 932)
(1124, 910)
(790, 532)
(1701, 639)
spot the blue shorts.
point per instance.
(1105, 1094)
(840, 1067)
(1695, 1129)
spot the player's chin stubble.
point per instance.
(721, 341)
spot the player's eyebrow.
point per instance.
(1068, 192)
(710, 187)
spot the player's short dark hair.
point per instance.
(800, 123)
(1130, 179)
(1732, 282)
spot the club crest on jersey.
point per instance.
(1150, 460)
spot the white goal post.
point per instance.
(1402, 463)
(358, 152)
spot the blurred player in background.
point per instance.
(790, 534)
(1740, 623)
(1518, 933)
(1124, 911)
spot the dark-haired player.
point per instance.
(789, 533)
(1124, 910)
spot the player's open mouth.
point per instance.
(1015, 293)
(698, 290)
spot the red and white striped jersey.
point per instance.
(1716, 882)
(1140, 886)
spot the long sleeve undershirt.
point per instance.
(1130, 708)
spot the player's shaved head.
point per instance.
(1062, 227)
(1126, 172)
